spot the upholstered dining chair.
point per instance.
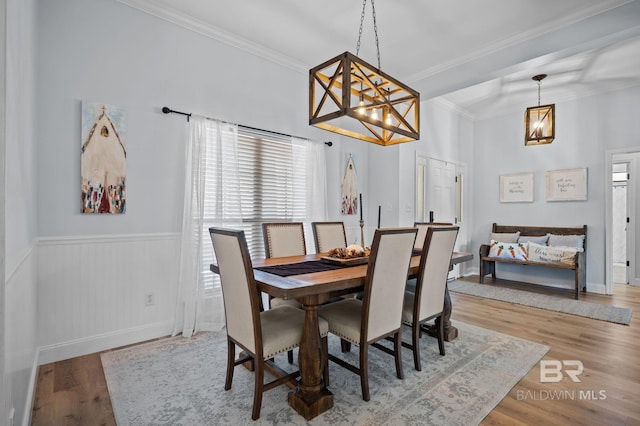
(422, 231)
(261, 335)
(426, 302)
(328, 235)
(284, 239)
(379, 314)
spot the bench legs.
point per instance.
(487, 267)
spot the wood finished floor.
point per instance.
(74, 392)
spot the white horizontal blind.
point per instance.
(272, 187)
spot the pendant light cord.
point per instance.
(539, 83)
(375, 29)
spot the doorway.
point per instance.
(622, 218)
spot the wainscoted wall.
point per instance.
(94, 291)
(21, 333)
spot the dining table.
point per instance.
(295, 277)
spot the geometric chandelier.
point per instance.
(540, 121)
(350, 97)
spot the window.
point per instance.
(272, 187)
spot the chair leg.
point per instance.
(345, 346)
(440, 322)
(364, 371)
(416, 331)
(257, 391)
(231, 357)
(397, 348)
(290, 357)
(325, 361)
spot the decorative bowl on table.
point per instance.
(351, 255)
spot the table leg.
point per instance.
(311, 397)
(450, 332)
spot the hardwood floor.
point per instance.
(74, 392)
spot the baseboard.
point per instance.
(89, 345)
(31, 390)
(596, 288)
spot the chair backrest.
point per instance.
(422, 232)
(284, 239)
(329, 235)
(385, 281)
(435, 262)
(239, 291)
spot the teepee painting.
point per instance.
(103, 159)
(349, 186)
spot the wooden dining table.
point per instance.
(311, 397)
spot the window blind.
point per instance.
(272, 187)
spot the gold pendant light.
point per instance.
(353, 98)
(540, 121)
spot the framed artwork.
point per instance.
(349, 201)
(567, 185)
(516, 188)
(103, 164)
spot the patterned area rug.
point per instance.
(180, 381)
(565, 305)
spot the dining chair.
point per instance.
(426, 302)
(422, 231)
(379, 314)
(284, 239)
(261, 334)
(328, 235)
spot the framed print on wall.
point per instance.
(516, 188)
(567, 185)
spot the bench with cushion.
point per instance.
(548, 246)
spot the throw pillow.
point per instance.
(507, 250)
(547, 254)
(574, 241)
(505, 237)
(538, 240)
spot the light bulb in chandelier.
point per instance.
(374, 114)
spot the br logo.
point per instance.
(551, 370)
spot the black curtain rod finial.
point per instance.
(329, 143)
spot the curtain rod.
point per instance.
(168, 110)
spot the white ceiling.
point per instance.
(478, 56)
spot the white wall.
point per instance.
(585, 129)
(20, 201)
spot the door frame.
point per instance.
(631, 201)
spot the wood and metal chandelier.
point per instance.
(540, 121)
(353, 98)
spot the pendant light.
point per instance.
(539, 121)
(350, 97)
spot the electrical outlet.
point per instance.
(149, 299)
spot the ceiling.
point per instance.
(477, 56)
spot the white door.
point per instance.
(441, 191)
(632, 162)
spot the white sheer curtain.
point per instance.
(211, 199)
(315, 174)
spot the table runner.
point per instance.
(300, 268)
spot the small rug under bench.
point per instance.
(599, 311)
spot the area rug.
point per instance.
(597, 311)
(180, 381)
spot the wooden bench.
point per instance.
(488, 264)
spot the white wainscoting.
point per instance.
(93, 290)
(21, 334)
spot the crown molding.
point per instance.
(171, 15)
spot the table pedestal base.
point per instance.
(310, 405)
